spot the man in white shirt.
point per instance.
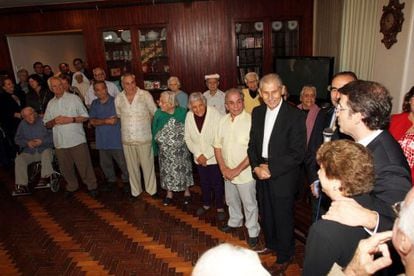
(135, 107)
(99, 75)
(65, 114)
(214, 96)
(230, 148)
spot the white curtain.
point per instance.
(327, 29)
(360, 23)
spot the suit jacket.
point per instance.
(287, 145)
(392, 173)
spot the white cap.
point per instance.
(212, 76)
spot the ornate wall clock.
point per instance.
(391, 22)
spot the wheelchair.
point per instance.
(54, 179)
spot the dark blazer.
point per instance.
(287, 145)
(392, 173)
(329, 242)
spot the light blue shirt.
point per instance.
(67, 135)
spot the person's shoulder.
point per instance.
(399, 116)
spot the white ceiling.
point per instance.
(27, 3)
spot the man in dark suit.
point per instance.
(363, 113)
(326, 119)
(276, 150)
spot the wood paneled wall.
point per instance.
(200, 37)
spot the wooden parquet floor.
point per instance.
(46, 234)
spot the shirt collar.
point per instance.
(365, 141)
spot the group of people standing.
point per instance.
(249, 147)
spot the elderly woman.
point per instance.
(81, 82)
(346, 171)
(307, 99)
(39, 95)
(402, 129)
(174, 157)
(174, 85)
(201, 125)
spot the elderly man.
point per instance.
(326, 118)
(230, 148)
(99, 75)
(363, 112)
(251, 93)
(174, 85)
(402, 235)
(66, 113)
(276, 150)
(108, 136)
(36, 143)
(135, 107)
(214, 96)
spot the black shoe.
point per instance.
(93, 193)
(252, 242)
(201, 211)
(187, 200)
(132, 198)
(68, 194)
(167, 201)
(21, 190)
(226, 229)
(221, 216)
(107, 187)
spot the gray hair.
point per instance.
(173, 78)
(406, 221)
(270, 78)
(49, 81)
(196, 96)
(231, 91)
(171, 99)
(251, 75)
(28, 108)
(127, 75)
(310, 87)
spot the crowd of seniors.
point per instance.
(252, 161)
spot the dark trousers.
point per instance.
(277, 220)
(211, 180)
(77, 156)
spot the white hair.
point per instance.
(406, 221)
(227, 259)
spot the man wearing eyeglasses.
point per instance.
(326, 119)
(363, 113)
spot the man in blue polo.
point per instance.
(108, 136)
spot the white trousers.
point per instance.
(236, 195)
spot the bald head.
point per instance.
(29, 115)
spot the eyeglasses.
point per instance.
(340, 108)
(396, 208)
(331, 88)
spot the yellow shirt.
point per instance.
(249, 102)
(233, 138)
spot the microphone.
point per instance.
(329, 131)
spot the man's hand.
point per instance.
(111, 121)
(363, 262)
(262, 172)
(34, 143)
(347, 211)
(63, 120)
(202, 160)
(313, 190)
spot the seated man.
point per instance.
(36, 143)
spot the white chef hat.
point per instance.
(212, 76)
